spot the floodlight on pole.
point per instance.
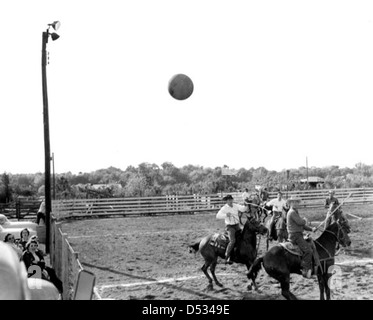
(55, 25)
(47, 159)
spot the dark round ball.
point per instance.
(180, 87)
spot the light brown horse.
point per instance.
(245, 250)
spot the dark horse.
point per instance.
(258, 208)
(279, 263)
(264, 210)
(245, 250)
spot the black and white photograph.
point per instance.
(203, 152)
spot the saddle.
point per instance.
(221, 240)
(294, 249)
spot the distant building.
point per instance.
(313, 182)
(101, 186)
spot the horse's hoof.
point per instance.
(249, 287)
(219, 284)
(209, 287)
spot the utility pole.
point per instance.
(54, 178)
(47, 157)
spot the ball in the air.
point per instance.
(180, 87)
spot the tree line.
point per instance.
(152, 180)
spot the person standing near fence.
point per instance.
(41, 213)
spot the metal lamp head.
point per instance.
(54, 36)
(55, 25)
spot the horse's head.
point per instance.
(341, 230)
(256, 226)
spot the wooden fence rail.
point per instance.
(64, 259)
(163, 205)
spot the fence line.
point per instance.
(64, 259)
(175, 204)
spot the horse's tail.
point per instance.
(194, 247)
(254, 269)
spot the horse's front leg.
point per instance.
(327, 289)
(249, 286)
(204, 269)
(320, 279)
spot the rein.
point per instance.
(257, 244)
(325, 249)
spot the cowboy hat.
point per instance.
(227, 197)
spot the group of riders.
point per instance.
(284, 217)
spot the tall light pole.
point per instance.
(54, 178)
(48, 200)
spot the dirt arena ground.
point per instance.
(147, 258)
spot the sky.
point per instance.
(276, 83)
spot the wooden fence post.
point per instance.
(18, 209)
(65, 266)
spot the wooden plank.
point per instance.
(180, 204)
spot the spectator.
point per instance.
(24, 238)
(34, 257)
(10, 240)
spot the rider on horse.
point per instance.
(232, 213)
(295, 227)
(246, 195)
(279, 205)
(334, 212)
(263, 195)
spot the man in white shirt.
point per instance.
(231, 213)
(41, 213)
(278, 208)
(246, 195)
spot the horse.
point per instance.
(245, 250)
(278, 232)
(264, 210)
(280, 263)
(256, 207)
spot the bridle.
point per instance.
(337, 238)
(250, 222)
